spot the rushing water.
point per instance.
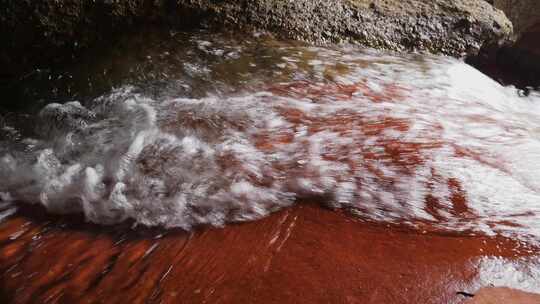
(208, 129)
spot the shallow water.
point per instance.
(208, 129)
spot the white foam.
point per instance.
(401, 141)
(499, 272)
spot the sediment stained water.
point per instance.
(209, 129)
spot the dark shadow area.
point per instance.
(3, 296)
(515, 64)
(52, 33)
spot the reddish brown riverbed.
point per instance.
(304, 254)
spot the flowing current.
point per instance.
(225, 130)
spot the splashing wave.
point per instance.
(428, 144)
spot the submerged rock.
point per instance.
(41, 32)
(304, 255)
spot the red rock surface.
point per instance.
(301, 255)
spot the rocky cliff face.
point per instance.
(41, 32)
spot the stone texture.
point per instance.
(44, 32)
(522, 13)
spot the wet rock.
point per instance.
(522, 13)
(523, 58)
(516, 62)
(43, 32)
(450, 27)
(513, 63)
(303, 255)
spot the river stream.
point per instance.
(182, 129)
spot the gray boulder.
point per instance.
(44, 32)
